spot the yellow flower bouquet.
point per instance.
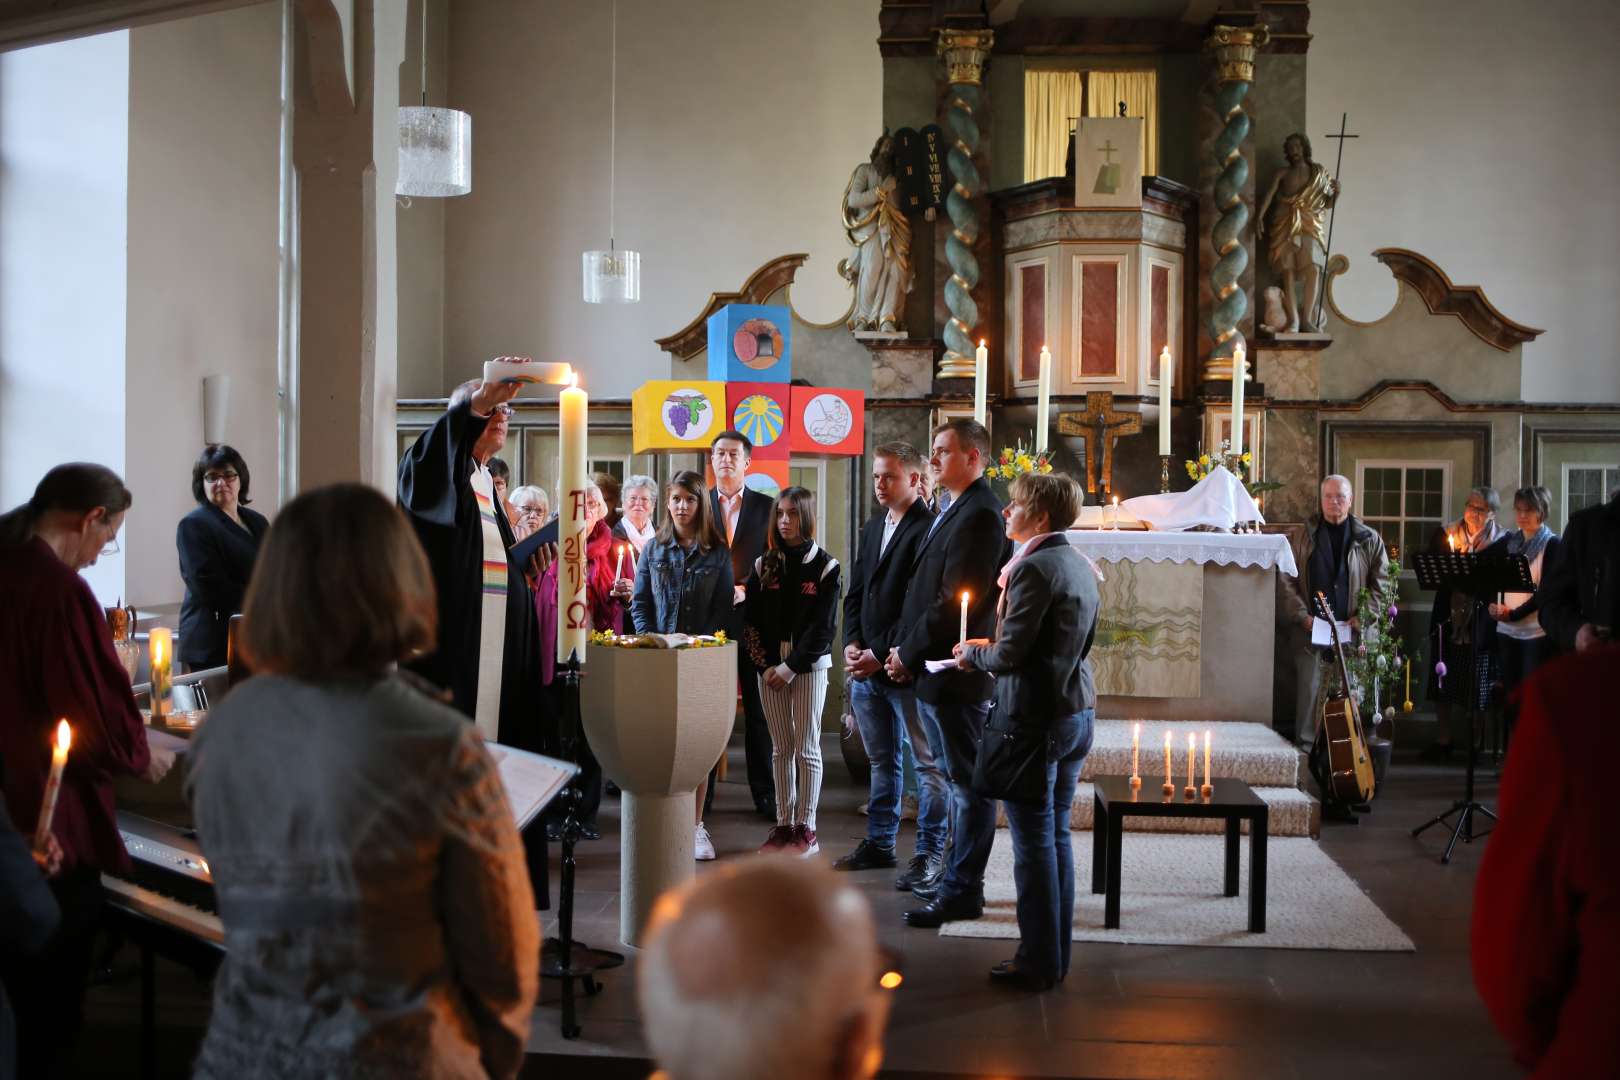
(1015, 461)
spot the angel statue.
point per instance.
(880, 267)
(1302, 193)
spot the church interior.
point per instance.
(1214, 260)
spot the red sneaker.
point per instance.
(781, 836)
(804, 841)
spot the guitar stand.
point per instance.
(1466, 807)
(562, 957)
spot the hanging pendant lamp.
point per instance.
(612, 276)
(435, 145)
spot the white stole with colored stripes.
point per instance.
(492, 623)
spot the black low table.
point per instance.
(1231, 800)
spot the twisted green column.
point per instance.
(1234, 48)
(965, 53)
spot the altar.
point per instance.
(1188, 622)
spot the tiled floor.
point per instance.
(1125, 1011)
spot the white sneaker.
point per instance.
(702, 846)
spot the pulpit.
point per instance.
(657, 720)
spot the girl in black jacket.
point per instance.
(788, 632)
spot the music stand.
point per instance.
(1479, 577)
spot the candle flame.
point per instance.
(1167, 740)
(964, 596)
(159, 644)
(981, 343)
(573, 380)
(1192, 739)
(890, 980)
(64, 736)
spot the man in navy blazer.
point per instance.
(886, 711)
(962, 555)
(743, 516)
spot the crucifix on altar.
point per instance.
(1099, 427)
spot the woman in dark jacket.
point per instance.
(1044, 628)
(788, 623)
(218, 543)
(1521, 644)
(683, 586)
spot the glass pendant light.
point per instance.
(435, 145)
(612, 276)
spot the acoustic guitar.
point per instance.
(1349, 766)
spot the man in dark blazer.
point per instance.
(1580, 590)
(885, 711)
(962, 554)
(744, 516)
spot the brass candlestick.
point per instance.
(1169, 790)
(1207, 790)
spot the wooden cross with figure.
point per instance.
(1100, 424)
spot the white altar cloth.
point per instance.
(1263, 550)
(1217, 501)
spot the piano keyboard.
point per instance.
(169, 883)
(163, 909)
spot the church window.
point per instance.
(1403, 501)
(1055, 100)
(1587, 485)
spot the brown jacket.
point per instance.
(1366, 558)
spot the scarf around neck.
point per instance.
(1532, 546)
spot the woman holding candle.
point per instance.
(378, 915)
(218, 542)
(1522, 645)
(1044, 628)
(57, 661)
(684, 586)
(789, 620)
(636, 526)
(1455, 623)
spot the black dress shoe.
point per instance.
(867, 856)
(1009, 974)
(590, 832)
(921, 869)
(946, 909)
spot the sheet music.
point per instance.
(532, 780)
(1322, 631)
(936, 666)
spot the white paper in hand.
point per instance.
(936, 666)
(1322, 631)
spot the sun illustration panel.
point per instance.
(759, 411)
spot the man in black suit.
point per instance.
(885, 711)
(962, 554)
(744, 515)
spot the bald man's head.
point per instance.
(768, 968)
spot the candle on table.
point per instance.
(573, 613)
(1116, 513)
(1167, 783)
(1240, 370)
(53, 785)
(981, 370)
(1206, 757)
(160, 646)
(1164, 402)
(1043, 399)
(963, 635)
(1136, 752)
(1192, 750)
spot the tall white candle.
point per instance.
(1136, 750)
(53, 784)
(618, 562)
(1165, 378)
(160, 647)
(573, 609)
(1192, 748)
(1206, 756)
(981, 373)
(1240, 369)
(1043, 399)
(1167, 780)
(963, 636)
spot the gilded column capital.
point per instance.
(965, 53)
(1234, 48)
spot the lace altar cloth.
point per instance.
(1263, 550)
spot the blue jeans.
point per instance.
(953, 731)
(885, 714)
(1043, 853)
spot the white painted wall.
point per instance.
(1489, 143)
(204, 112)
(738, 126)
(64, 142)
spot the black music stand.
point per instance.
(1480, 578)
(562, 957)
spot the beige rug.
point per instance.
(1172, 896)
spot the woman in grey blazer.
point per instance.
(1044, 628)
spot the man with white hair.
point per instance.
(1339, 557)
(768, 968)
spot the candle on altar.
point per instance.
(981, 371)
(1206, 757)
(963, 635)
(1192, 751)
(53, 785)
(1165, 378)
(1043, 399)
(1136, 752)
(160, 647)
(1240, 373)
(573, 612)
(1116, 513)
(618, 562)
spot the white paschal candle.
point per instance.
(981, 374)
(1165, 378)
(1043, 399)
(573, 610)
(53, 785)
(1240, 370)
(160, 647)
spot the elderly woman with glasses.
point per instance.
(218, 544)
(531, 508)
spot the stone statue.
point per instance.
(1275, 318)
(880, 268)
(1293, 213)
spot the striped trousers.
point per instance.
(794, 718)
